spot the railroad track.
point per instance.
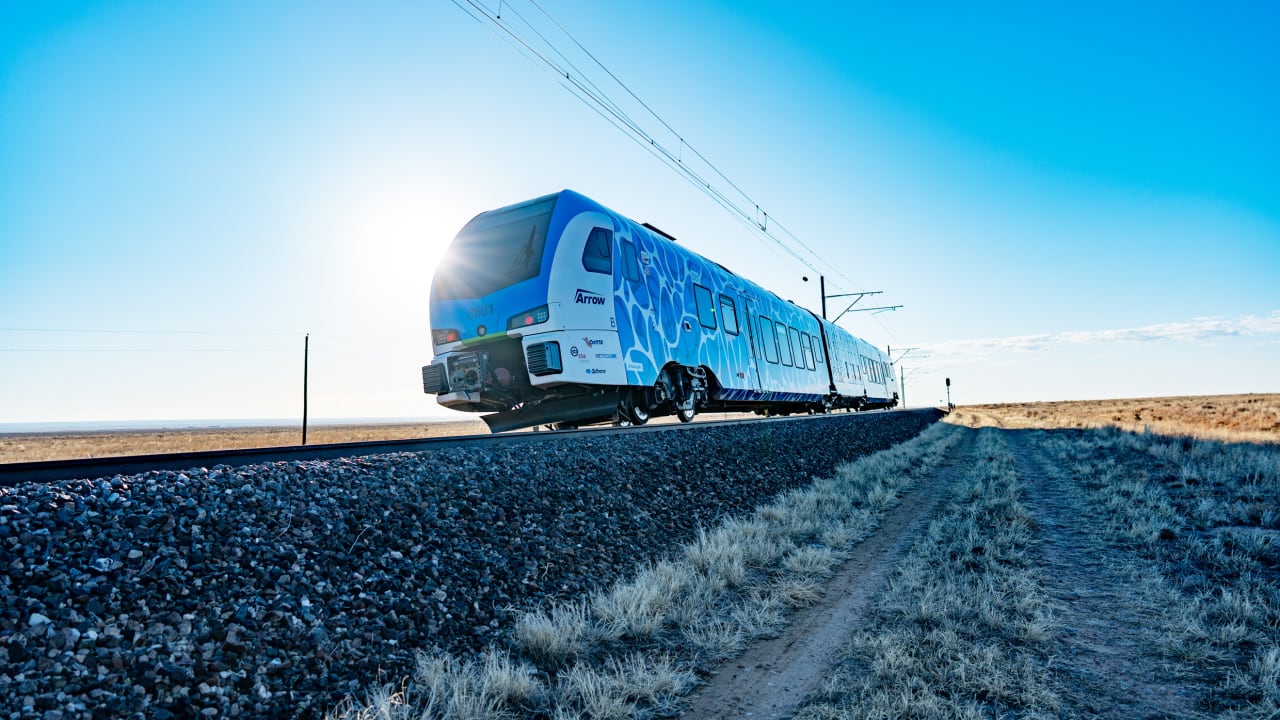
(54, 470)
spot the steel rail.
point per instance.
(47, 471)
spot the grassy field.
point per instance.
(1235, 418)
(28, 447)
(1117, 560)
(1085, 570)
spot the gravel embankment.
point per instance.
(276, 590)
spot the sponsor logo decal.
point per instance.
(574, 351)
(592, 343)
(607, 356)
(586, 297)
(596, 371)
(635, 367)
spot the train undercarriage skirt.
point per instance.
(577, 409)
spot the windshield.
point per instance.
(495, 250)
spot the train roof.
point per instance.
(585, 203)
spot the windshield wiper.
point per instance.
(521, 263)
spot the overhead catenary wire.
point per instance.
(115, 331)
(624, 123)
(683, 142)
(221, 341)
(580, 84)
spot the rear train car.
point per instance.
(862, 378)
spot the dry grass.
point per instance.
(1193, 500)
(962, 629)
(30, 447)
(1206, 514)
(1236, 418)
(1189, 525)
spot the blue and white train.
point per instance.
(561, 311)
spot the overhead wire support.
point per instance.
(877, 310)
(857, 296)
(902, 353)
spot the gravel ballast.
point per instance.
(277, 590)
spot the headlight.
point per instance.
(535, 316)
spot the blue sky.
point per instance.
(1074, 200)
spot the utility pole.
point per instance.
(902, 374)
(306, 356)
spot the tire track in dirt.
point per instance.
(1105, 658)
(773, 677)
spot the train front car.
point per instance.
(522, 316)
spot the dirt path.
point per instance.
(1107, 657)
(774, 676)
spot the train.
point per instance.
(561, 312)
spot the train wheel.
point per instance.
(635, 407)
(686, 415)
(639, 414)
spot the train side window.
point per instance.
(769, 339)
(817, 350)
(729, 315)
(630, 261)
(796, 350)
(706, 308)
(783, 343)
(806, 346)
(597, 256)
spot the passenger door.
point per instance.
(750, 322)
(634, 312)
(587, 305)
